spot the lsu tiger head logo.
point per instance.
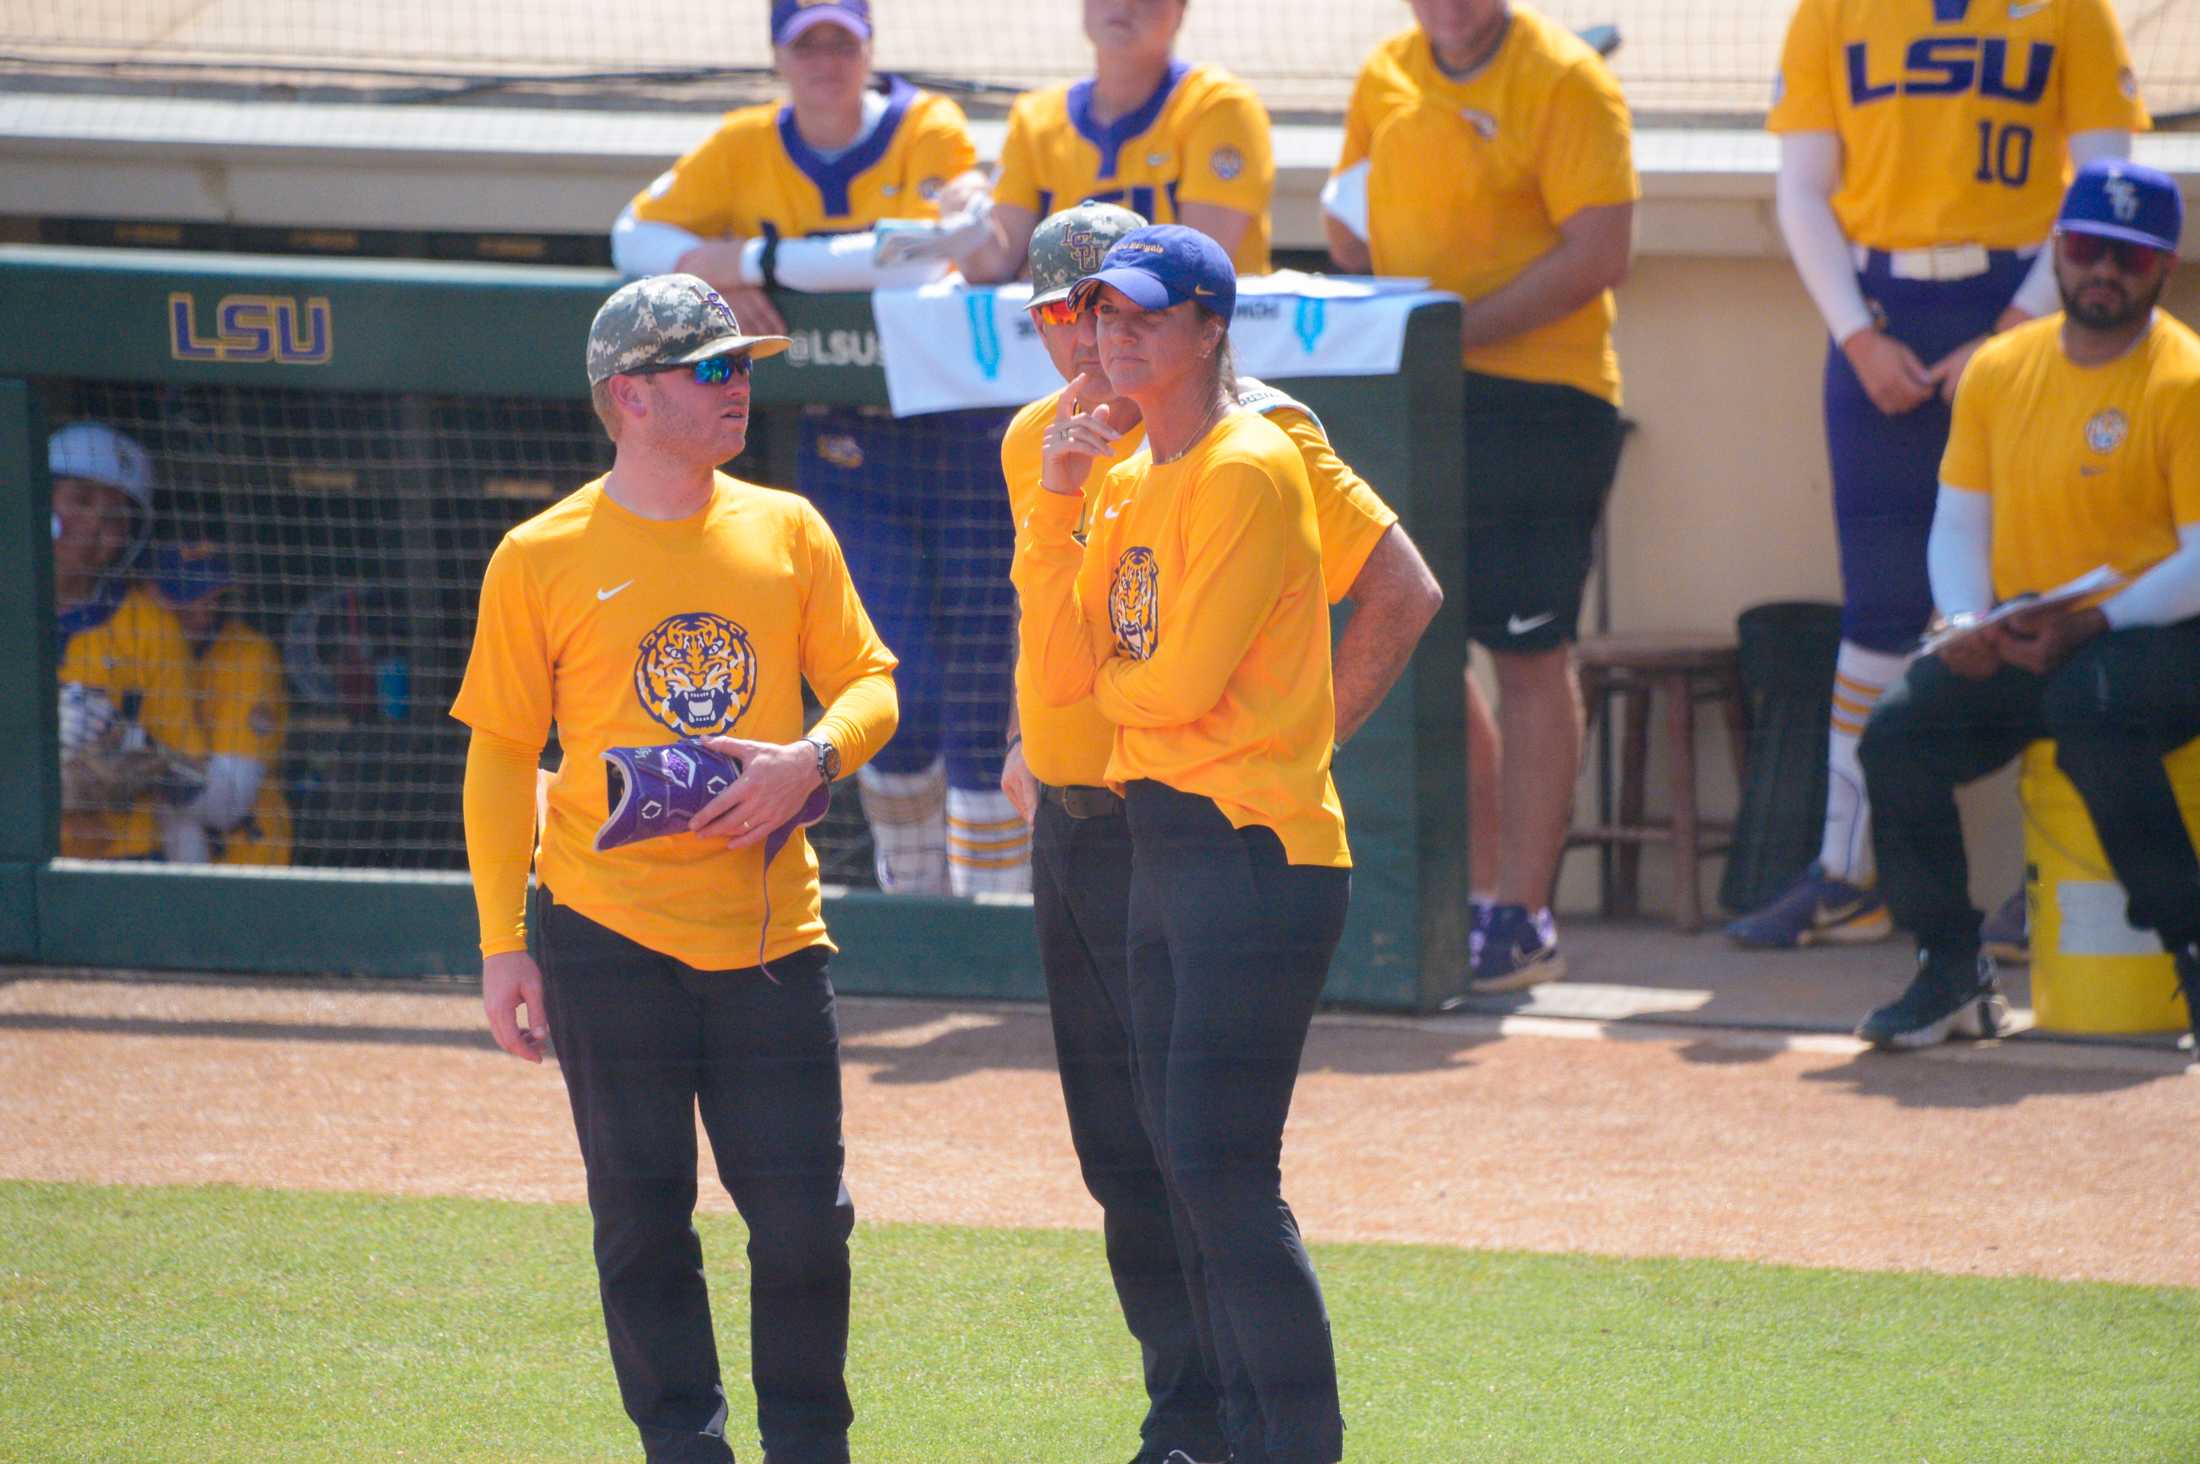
(696, 674)
(2106, 431)
(1134, 603)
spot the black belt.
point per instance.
(1079, 802)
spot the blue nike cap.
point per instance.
(2119, 199)
(1163, 265)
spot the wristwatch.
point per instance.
(828, 759)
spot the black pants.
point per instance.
(644, 1040)
(1228, 948)
(2114, 709)
(1081, 896)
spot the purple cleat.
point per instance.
(654, 791)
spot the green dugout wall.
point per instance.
(322, 326)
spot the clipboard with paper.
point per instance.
(2086, 585)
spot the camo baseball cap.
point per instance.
(1069, 245)
(667, 320)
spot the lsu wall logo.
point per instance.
(696, 674)
(252, 328)
(1134, 603)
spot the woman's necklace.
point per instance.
(1213, 416)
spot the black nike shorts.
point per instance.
(1540, 459)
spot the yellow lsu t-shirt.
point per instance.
(237, 688)
(1469, 181)
(1953, 114)
(138, 657)
(1350, 515)
(1065, 746)
(627, 632)
(1202, 137)
(755, 176)
(1194, 619)
(1070, 745)
(2087, 465)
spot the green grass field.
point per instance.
(227, 1324)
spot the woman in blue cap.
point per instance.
(1194, 615)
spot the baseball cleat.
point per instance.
(1478, 927)
(2006, 934)
(1815, 909)
(1951, 995)
(654, 791)
(1518, 951)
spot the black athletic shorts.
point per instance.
(1540, 459)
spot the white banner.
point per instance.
(949, 346)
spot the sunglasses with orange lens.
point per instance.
(1056, 312)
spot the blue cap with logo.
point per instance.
(1163, 265)
(2119, 199)
(186, 573)
(790, 18)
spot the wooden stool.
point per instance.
(1685, 669)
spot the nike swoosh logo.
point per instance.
(1113, 510)
(1201, 290)
(2019, 12)
(1514, 625)
(602, 595)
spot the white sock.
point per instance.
(907, 813)
(988, 844)
(1860, 678)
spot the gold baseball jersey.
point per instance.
(1070, 745)
(625, 632)
(755, 176)
(2086, 465)
(135, 652)
(1953, 114)
(1194, 619)
(1202, 137)
(236, 687)
(1469, 181)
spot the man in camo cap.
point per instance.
(1081, 851)
(665, 320)
(1080, 896)
(668, 602)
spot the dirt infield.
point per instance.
(2052, 1161)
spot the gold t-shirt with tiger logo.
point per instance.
(626, 631)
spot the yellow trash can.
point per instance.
(2091, 972)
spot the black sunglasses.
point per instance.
(2085, 250)
(710, 371)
